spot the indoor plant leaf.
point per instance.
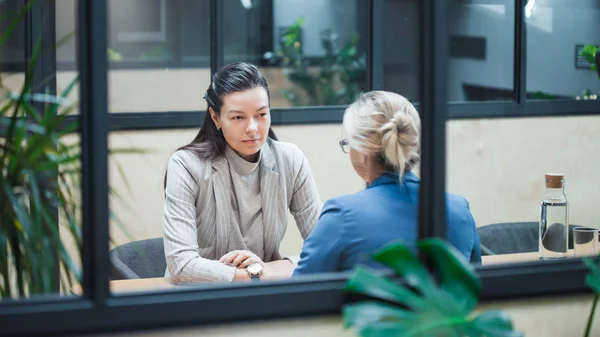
(495, 323)
(404, 263)
(366, 313)
(419, 306)
(592, 279)
(455, 274)
(368, 283)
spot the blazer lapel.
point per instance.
(222, 188)
(272, 202)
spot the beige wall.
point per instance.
(560, 317)
(141, 210)
(143, 90)
(498, 165)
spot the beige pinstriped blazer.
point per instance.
(197, 211)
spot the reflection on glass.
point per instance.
(481, 51)
(401, 57)
(160, 33)
(496, 165)
(159, 55)
(12, 51)
(313, 53)
(557, 34)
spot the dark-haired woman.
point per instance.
(227, 193)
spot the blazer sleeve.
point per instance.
(323, 249)
(184, 262)
(305, 204)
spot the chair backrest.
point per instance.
(138, 259)
(513, 237)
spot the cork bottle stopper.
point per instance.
(555, 180)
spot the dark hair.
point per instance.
(209, 143)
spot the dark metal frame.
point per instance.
(44, 69)
(98, 311)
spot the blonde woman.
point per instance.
(383, 131)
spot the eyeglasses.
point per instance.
(345, 145)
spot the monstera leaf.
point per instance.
(592, 280)
(421, 306)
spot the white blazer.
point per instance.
(197, 212)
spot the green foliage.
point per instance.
(422, 307)
(590, 53)
(38, 168)
(592, 280)
(336, 82)
(113, 55)
(39, 185)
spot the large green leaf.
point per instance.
(420, 306)
(456, 276)
(592, 279)
(494, 323)
(371, 284)
(404, 263)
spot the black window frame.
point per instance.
(98, 311)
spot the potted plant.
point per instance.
(38, 173)
(39, 185)
(336, 82)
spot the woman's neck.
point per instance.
(374, 170)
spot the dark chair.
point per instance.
(513, 237)
(138, 259)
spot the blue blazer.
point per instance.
(353, 227)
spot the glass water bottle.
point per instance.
(554, 219)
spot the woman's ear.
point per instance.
(364, 159)
(214, 117)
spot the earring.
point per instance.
(218, 128)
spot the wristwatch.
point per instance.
(254, 270)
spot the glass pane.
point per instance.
(41, 231)
(557, 32)
(401, 56)
(159, 54)
(505, 183)
(313, 53)
(481, 64)
(66, 49)
(12, 51)
(138, 201)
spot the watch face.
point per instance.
(255, 268)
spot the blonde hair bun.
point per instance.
(385, 124)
